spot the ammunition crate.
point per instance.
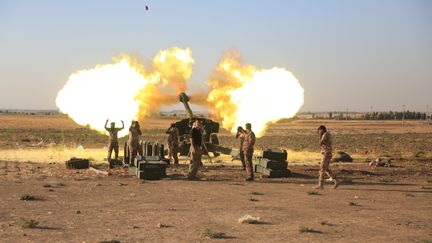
(115, 163)
(280, 155)
(151, 165)
(272, 164)
(274, 173)
(151, 175)
(76, 163)
(150, 158)
(151, 169)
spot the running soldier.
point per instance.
(134, 141)
(248, 149)
(113, 139)
(173, 143)
(195, 150)
(325, 142)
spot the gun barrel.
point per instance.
(185, 99)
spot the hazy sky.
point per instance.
(346, 54)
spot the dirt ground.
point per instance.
(373, 204)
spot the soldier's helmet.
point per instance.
(112, 124)
(322, 128)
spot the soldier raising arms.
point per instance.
(113, 138)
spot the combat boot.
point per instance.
(336, 184)
(320, 186)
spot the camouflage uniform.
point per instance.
(248, 149)
(241, 153)
(173, 143)
(113, 141)
(134, 143)
(326, 151)
(196, 152)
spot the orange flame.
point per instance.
(125, 90)
(242, 94)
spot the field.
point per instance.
(372, 204)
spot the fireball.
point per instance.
(124, 90)
(241, 94)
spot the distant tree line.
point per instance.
(389, 115)
(31, 113)
(395, 115)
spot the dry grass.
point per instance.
(51, 155)
(303, 157)
(249, 219)
(361, 139)
(36, 122)
(160, 225)
(325, 222)
(353, 204)
(109, 241)
(256, 193)
(210, 234)
(304, 229)
(29, 223)
(28, 197)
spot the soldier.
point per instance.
(195, 149)
(134, 141)
(241, 131)
(248, 149)
(173, 142)
(113, 139)
(325, 141)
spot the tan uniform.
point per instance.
(134, 143)
(326, 151)
(173, 143)
(242, 158)
(113, 141)
(196, 152)
(248, 149)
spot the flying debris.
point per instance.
(146, 7)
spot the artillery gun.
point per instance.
(210, 128)
(210, 139)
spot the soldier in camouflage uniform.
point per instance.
(195, 149)
(248, 149)
(113, 138)
(173, 142)
(325, 141)
(240, 131)
(134, 141)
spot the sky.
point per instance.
(355, 55)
